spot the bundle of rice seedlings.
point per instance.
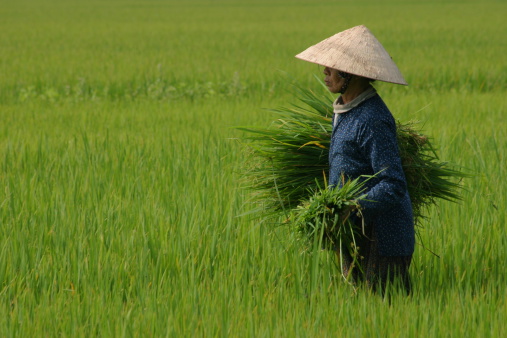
(291, 155)
(324, 217)
(293, 161)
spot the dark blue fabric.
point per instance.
(364, 143)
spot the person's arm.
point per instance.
(379, 143)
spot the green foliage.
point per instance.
(428, 179)
(121, 216)
(324, 217)
(293, 153)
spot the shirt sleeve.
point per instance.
(379, 144)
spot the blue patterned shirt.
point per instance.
(364, 142)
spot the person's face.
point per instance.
(333, 81)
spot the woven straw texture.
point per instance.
(355, 51)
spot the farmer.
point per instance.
(364, 142)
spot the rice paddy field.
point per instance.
(122, 211)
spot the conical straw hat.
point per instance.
(355, 51)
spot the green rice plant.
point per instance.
(293, 153)
(324, 219)
(428, 179)
(119, 207)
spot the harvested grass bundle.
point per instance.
(324, 216)
(294, 151)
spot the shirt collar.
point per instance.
(340, 108)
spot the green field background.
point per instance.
(121, 207)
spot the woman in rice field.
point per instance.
(364, 142)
